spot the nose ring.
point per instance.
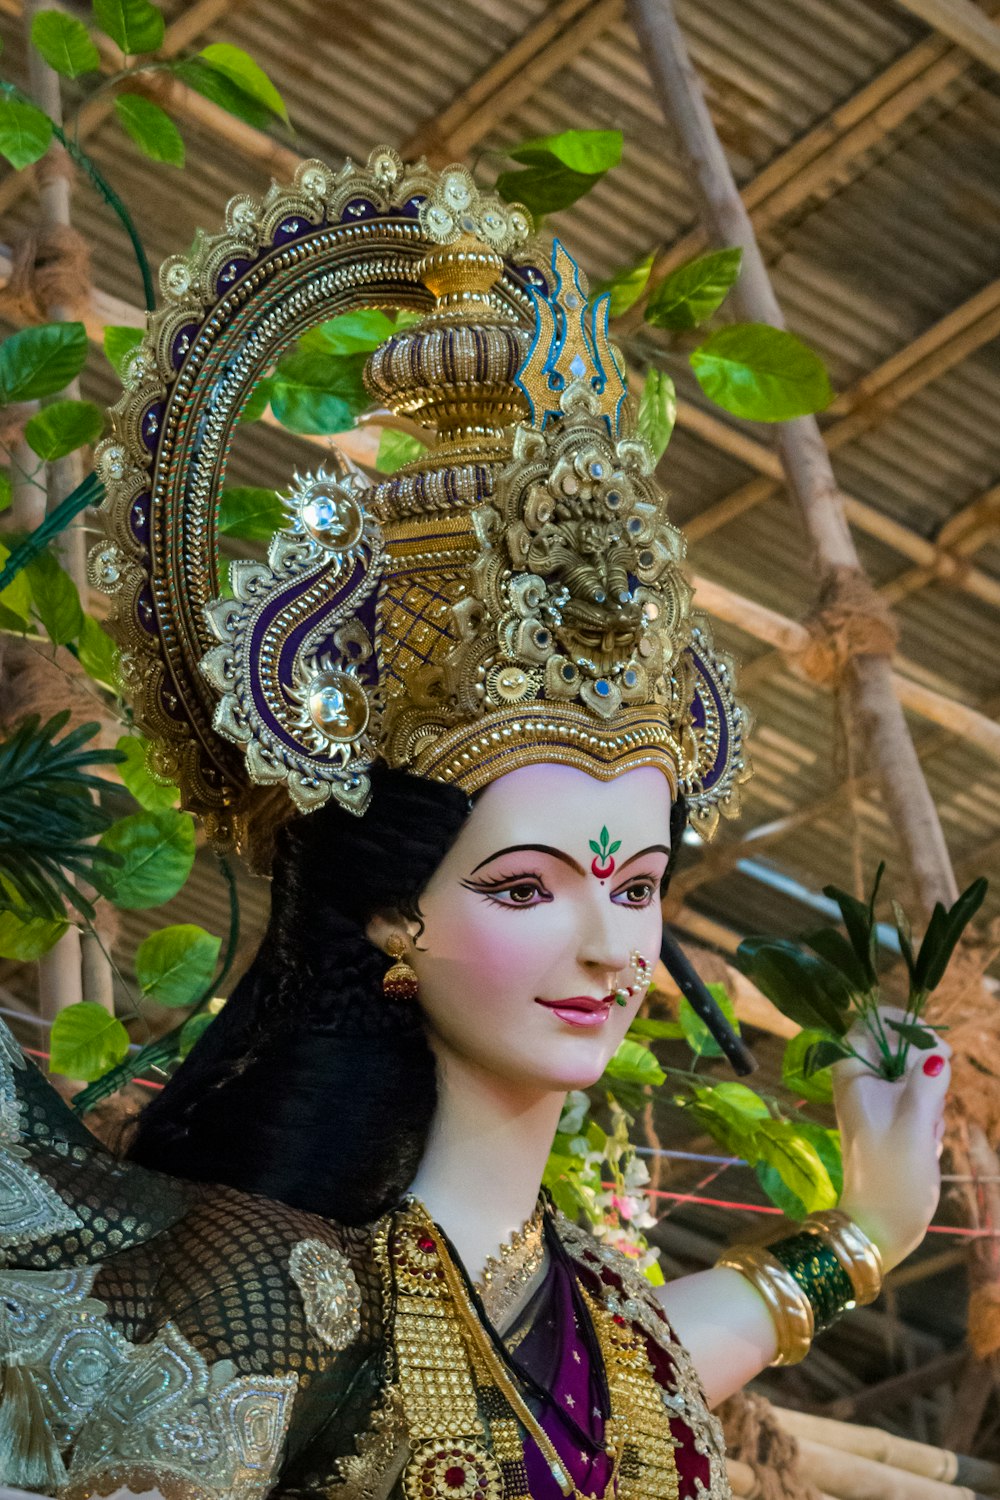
(642, 979)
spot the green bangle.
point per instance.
(816, 1269)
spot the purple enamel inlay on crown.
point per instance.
(532, 277)
(292, 228)
(412, 205)
(277, 604)
(152, 421)
(358, 208)
(707, 682)
(183, 339)
(145, 610)
(231, 273)
(138, 518)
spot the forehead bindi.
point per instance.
(566, 809)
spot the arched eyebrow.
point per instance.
(567, 859)
(652, 849)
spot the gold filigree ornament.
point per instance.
(515, 595)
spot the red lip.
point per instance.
(578, 1002)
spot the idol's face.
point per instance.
(534, 919)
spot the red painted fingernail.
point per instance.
(934, 1065)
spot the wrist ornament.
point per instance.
(809, 1279)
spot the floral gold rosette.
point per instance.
(516, 595)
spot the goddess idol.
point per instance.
(419, 715)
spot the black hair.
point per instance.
(311, 1086)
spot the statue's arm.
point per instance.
(891, 1136)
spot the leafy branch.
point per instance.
(832, 983)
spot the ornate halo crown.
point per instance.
(516, 595)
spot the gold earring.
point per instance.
(400, 982)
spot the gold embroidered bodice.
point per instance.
(217, 1346)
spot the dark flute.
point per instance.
(682, 972)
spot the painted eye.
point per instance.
(636, 893)
(522, 895)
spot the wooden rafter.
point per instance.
(814, 163)
(964, 23)
(871, 400)
(559, 34)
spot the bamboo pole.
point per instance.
(899, 1452)
(964, 23)
(868, 679)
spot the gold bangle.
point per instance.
(786, 1301)
(859, 1255)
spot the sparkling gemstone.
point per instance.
(577, 366)
(602, 688)
(454, 1476)
(425, 1243)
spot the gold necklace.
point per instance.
(506, 1274)
(447, 1368)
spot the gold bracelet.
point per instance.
(786, 1301)
(859, 1255)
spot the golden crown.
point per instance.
(515, 595)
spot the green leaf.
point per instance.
(805, 988)
(634, 1063)
(211, 84)
(251, 513)
(797, 1163)
(835, 948)
(319, 393)
(152, 129)
(175, 965)
(25, 132)
(694, 291)
(236, 65)
(6, 490)
(28, 938)
(257, 402)
(135, 25)
(646, 1026)
(904, 932)
(153, 795)
(796, 1074)
(860, 926)
(157, 850)
(544, 190)
(657, 410)
(396, 449)
(943, 933)
(85, 1041)
(16, 597)
(97, 653)
(40, 361)
(761, 373)
(119, 341)
(193, 1030)
(63, 427)
(731, 1113)
(65, 43)
(824, 1054)
(911, 1031)
(591, 152)
(696, 1033)
(625, 287)
(55, 598)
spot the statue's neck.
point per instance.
(482, 1169)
